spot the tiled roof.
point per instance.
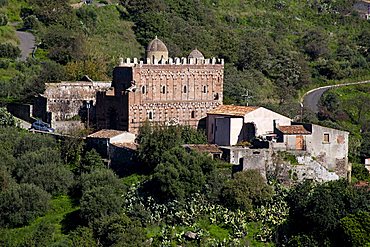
(106, 133)
(293, 129)
(128, 145)
(204, 148)
(232, 110)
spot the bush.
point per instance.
(22, 204)
(3, 20)
(100, 202)
(8, 50)
(245, 191)
(44, 169)
(31, 22)
(6, 119)
(3, 3)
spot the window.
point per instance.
(163, 89)
(150, 115)
(185, 89)
(326, 138)
(192, 114)
(143, 90)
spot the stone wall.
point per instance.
(22, 111)
(66, 100)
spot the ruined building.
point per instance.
(162, 90)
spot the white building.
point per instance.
(228, 125)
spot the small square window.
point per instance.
(326, 138)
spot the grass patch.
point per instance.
(133, 179)
(291, 158)
(23, 236)
(112, 36)
(7, 35)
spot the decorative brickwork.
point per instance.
(168, 91)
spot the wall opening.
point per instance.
(250, 131)
(326, 138)
(185, 89)
(150, 115)
(143, 90)
(204, 89)
(163, 89)
(192, 114)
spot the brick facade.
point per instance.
(168, 93)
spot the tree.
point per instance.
(365, 145)
(356, 229)
(100, 178)
(316, 210)
(180, 174)
(315, 43)
(154, 141)
(246, 190)
(119, 230)
(82, 237)
(8, 50)
(91, 162)
(253, 52)
(21, 204)
(360, 173)
(100, 202)
(44, 169)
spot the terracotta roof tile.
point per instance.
(232, 110)
(106, 133)
(293, 129)
(128, 145)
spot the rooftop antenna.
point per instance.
(247, 96)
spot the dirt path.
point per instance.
(311, 99)
(27, 43)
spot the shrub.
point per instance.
(3, 20)
(9, 51)
(21, 204)
(245, 191)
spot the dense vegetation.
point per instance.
(58, 193)
(349, 109)
(274, 49)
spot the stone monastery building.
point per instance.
(162, 90)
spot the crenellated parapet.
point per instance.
(128, 62)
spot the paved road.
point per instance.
(27, 43)
(311, 98)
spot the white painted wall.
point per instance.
(264, 120)
(125, 137)
(236, 127)
(336, 148)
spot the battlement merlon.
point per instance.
(171, 61)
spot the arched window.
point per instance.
(204, 89)
(143, 89)
(192, 114)
(185, 89)
(150, 115)
(163, 89)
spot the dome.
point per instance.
(157, 50)
(196, 54)
(156, 45)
